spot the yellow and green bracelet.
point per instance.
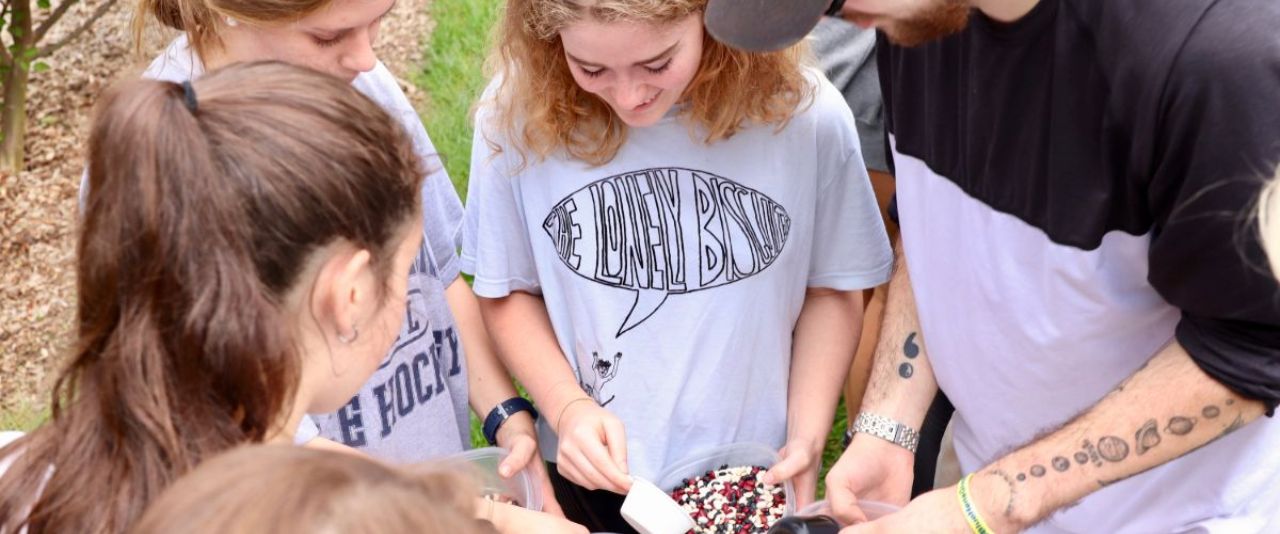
(976, 524)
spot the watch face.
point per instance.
(763, 25)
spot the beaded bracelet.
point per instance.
(976, 524)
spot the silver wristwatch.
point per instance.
(887, 429)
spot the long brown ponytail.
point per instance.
(204, 206)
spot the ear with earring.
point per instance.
(347, 340)
(231, 22)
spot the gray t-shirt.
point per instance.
(846, 54)
(674, 274)
(414, 407)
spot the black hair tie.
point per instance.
(189, 95)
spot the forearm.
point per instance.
(325, 444)
(826, 336)
(487, 379)
(526, 343)
(902, 384)
(1164, 411)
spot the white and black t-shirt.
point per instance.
(674, 274)
(414, 407)
(1075, 191)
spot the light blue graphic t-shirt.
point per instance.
(675, 273)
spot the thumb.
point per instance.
(521, 452)
(786, 469)
(844, 503)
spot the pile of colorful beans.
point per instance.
(731, 500)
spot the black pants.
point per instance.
(598, 510)
(935, 424)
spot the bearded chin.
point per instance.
(948, 17)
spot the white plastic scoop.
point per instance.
(650, 510)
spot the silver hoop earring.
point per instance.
(355, 333)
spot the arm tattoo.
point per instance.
(911, 350)
(1013, 490)
(906, 370)
(1146, 438)
(1180, 426)
(1113, 449)
(1061, 464)
(1235, 425)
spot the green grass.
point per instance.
(453, 78)
(24, 417)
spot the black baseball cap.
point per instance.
(763, 25)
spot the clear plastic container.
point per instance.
(874, 510)
(521, 489)
(732, 455)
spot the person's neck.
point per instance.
(215, 57)
(288, 427)
(1005, 10)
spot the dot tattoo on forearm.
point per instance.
(1180, 426)
(1061, 464)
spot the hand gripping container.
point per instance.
(522, 488)
(874, 510)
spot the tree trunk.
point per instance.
(13, 120)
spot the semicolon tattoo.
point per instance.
(910, 349)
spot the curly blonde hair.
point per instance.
(540, 109)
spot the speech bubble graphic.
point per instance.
(666, 231)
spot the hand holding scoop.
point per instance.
(650, 510)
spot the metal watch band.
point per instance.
(887, 429)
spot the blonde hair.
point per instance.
(201, 19)
(540, 109)
(287, 490)
(1269, 222)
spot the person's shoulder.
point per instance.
(1234, 39)
(178, 63)
(380, 85)
(824, 106)
(488, 107)
(1142, 41)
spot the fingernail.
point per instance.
(504, 471)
